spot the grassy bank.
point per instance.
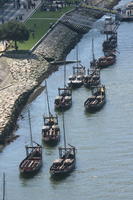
(40, 27)
(51, 14)
(39, 23)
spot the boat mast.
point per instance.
(65, 75)
(107, 37)
(64, 131)
(77, 54)
(93, 55)
(47, 99)
(3, 186)
(31, 139)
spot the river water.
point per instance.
(104, 140)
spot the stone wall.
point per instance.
(57, 42)
(70, 29)
(23, 78)
(67, 33)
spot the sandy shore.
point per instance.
(20, 77)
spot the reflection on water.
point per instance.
(103, 139)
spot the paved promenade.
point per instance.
(11, 12)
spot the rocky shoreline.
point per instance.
(24, 74)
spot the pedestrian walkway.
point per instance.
(3, 46)
(49, 18)
(12, 12)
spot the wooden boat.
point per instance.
(93, 62)
(109, 45)
(97, 100)
(110, 53)
(95, 81)
(76, 80)
(64, 99)
(126, 12)
(50, 130)
(92, 79)
(110, 25)
(106, 61)
(113, 37)
(100, 90)
(33, 161)
(66, 162)
(111, 41)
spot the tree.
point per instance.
(1, 3)
(15, 31)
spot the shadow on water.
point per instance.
(23, 177)
(50, 146)
(77, 88)
(29, 176)
(59, 112)
(50, 149)
(91, 113)
(88, 114)
(20, 54)
(60, 178)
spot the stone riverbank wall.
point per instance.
(26, 73)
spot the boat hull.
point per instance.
(61, 107)
(94, 108)
(90, 84)
(32, 172)
(75, 85)
(51, 141)
(126, 18)
(33, 161)
(61, 173)
(107, 64)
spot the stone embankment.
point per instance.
(23, 78)
(27, 73)
(67, 33)
(70, 29)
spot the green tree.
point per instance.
(14, 31)
(1, 3)
(2, 33)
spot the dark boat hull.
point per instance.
(75, 85)
(126, 19)
(89, 85)
(107, 64)
(61, 107)
(50, 141)
(61, 173)
(94, 108)
(33, 161)
(32, 172)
